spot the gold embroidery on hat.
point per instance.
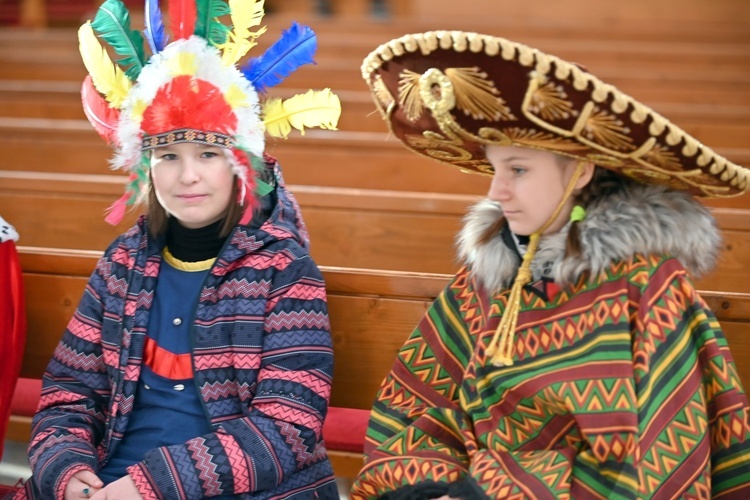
(551, 102)
(604, 160)
(663, 158)
(607, 130)
(477, 96)
(436, 91)
(439, 147)
(408, 95)
(532, 138)
(381, 92)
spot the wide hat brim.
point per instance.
(448, 94)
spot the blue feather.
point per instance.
(294, 48)
(154, 31)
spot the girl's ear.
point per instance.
(586, 175)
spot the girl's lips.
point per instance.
(188, 198)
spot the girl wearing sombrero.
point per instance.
(570, 356)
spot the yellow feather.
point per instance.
(235, 97)
(108, 78)
(312, 109)
(139, 107)
(236, 48)
(182, 64)
(245, 14)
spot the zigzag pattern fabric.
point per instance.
(621, 388)
(262, 362)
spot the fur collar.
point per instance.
(639, 219)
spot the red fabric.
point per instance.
(167, 364)
(26, 398)
(344, 429)
(12, 329)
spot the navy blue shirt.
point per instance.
(168, 409)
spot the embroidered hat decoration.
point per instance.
(448, 94)
(190, 90)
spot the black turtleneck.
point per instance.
(194, 245)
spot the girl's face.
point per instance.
(529, 184)
(193, 182)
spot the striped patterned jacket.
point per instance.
(262, 362)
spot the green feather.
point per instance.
(112, 23)
(207, 24)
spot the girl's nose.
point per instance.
(499, 189)
(189, 172)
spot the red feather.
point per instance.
(182, 15)
(97, 110)
(251, 201)
(189, 103)
(116, 211)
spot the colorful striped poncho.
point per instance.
(622, 386)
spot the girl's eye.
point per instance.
(518, 170)
(168, 156)
(209, 154)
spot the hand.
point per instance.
(83, 480)
(122, 489)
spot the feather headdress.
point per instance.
(190, 90)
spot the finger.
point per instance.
(91, 479)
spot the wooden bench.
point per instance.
(372, 313)
(364, 228)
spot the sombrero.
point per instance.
(447, 94)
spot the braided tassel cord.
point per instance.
(500, 349)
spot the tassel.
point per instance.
(182, 17)
(112, 23)
(312, 109)
(97, 110)
(154, 31)
(295, 48)
(500, 349)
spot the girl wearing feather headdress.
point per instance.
(198, 363)
(571, 356)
